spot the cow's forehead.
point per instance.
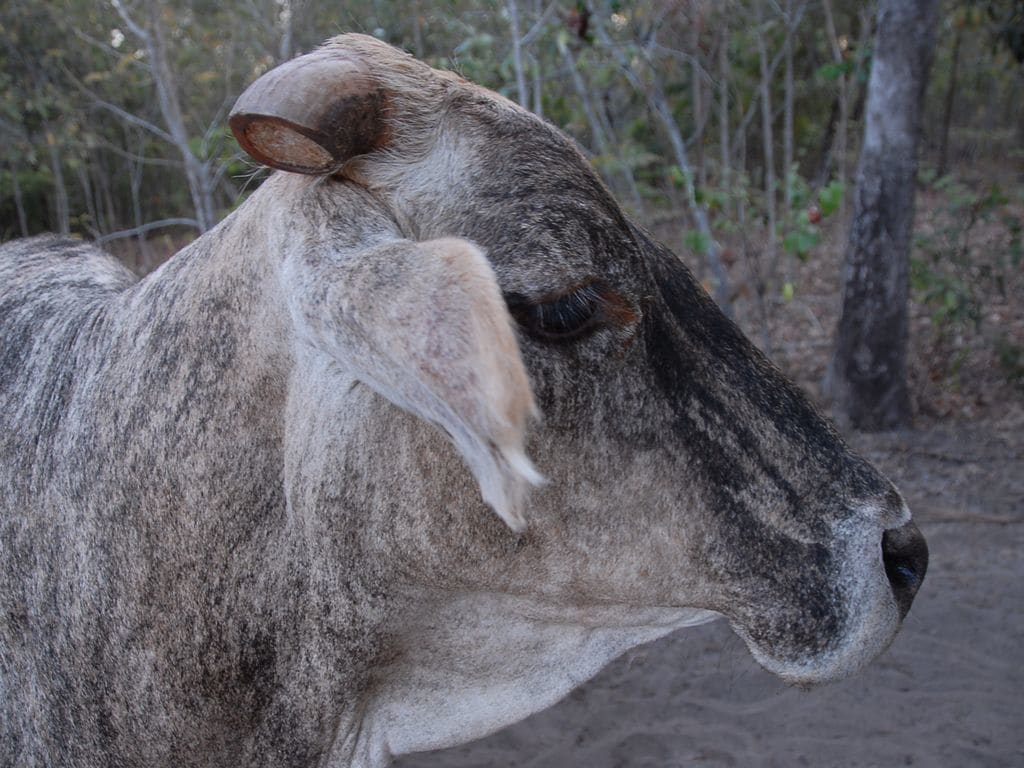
(534, 202)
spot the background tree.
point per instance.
(867, 379)
(729, 127)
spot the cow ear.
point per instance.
(311, 114)
(425, 325)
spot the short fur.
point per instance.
(244, 502)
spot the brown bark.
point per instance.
(768, 143)
(697, 95)
(947, 117)
(517, 54)
(867, 377)
(599, 131)
(19, 202)
(658, 104)
(723, 102)
(787, 112)
(197, 172)
(61, 206)
(838, 151)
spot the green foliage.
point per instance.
(830, 197)
(677, 176)
(835, 70)
(949, 293)
(68, 64)
(1011, 360)
(725, 202)
(802, 231)
(1005, 22)
(696, 241)
(973, 246)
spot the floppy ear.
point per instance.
(425, 325)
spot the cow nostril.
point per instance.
(905, 556)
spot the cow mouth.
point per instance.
(807, 650)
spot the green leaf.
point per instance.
(677, 177)
(830, 197)
(800, 242)
(697, 241)
(833, 71)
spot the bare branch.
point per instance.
(140, 230)
(538, 27)
(137, 158)
(517, 54)
(128, 117)
(129, 22)
(658, 104)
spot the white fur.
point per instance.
(473, 663)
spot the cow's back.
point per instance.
(55, 295)
(46, 284)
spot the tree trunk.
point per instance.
(598, 129)
(723, 103)
(144, 258)
(947, 116)
(867, 377)
(768, 144)
(697, 94)
(197, 172)
(62, 208)
(843, 100)
(658, 104)
(517, 54)
(787, 120)
(417, 30)
(19, 202)
(91, 209)
(538, 87)
(538, 92)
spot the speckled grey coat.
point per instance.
(247, 504)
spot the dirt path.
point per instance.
(950, 692)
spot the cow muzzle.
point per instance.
(905, 557)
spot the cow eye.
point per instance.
(569, 317)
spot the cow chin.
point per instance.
(847, 656)
(844, 630)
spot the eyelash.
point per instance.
(567, 318)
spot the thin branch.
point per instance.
(772, 67)
(129, 22)
(658, 104)
(538, 27)
(140, 230)
(141, 159)
(105, 47)
(224, 166)
(128, 117)
(517, 54)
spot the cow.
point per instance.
(407, 447)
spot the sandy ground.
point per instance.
(949, 692)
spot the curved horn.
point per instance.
(311, 114)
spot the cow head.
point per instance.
(459, 257)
